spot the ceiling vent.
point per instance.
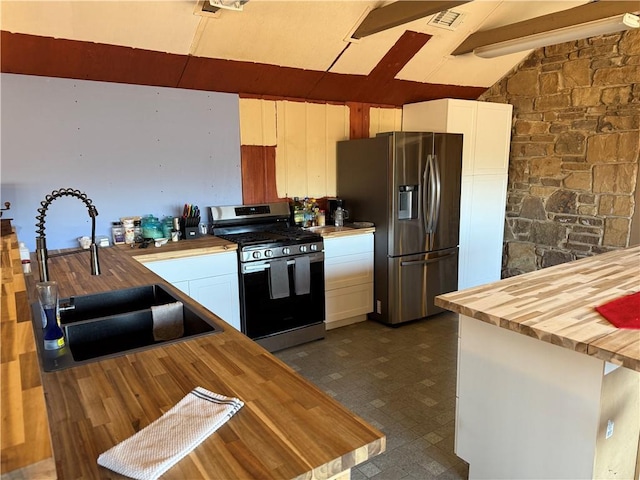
(228, 4)
(212, 8)
(448, 19)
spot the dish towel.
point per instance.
(168, 321)
(156, 448)
(623, 312)
(278, 279)
(301, 276)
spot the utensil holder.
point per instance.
(189, 227)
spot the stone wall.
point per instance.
(574, 150)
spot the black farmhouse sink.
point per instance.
(113, 323)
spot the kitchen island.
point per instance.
(547, 388)
(288, 428)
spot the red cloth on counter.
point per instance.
(623, 312)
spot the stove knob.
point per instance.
(286, 250)
(314, 247)
(256, 255)
(303, 248)
(268, 253)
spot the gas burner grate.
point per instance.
(247, 237)
(297, 233)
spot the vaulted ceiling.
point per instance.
(298, 48)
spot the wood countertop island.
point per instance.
(557, 305)
(288, 428)
(548, 388)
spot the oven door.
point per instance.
(263, 316)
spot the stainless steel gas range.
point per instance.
(280, 273)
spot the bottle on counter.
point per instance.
(310, 207)
(117, 233)
(25, 258)
(338, 215)
(321, 218)
(53, 335)
(298, 212)
(129, 232)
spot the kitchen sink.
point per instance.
(113, 323)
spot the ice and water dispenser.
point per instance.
(407, 202)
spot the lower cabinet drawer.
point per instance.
(347, 271)
(348, 302)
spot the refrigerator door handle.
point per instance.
(424, 262)
(435, 214)
(426, 216)
(429, 203)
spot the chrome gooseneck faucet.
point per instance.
(41, 242)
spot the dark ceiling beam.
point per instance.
(26, 54)
(399, 13)
(546, 23)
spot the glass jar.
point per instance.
(137, 231)
(151, 227)
(167, 226)
(117, 233)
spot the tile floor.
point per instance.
(401, 380)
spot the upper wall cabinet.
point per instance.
(486, 128)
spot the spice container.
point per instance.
(117, 233)
(25, 258)
(129, 232)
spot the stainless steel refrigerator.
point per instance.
(408, 184)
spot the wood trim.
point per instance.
(34, 55)
(397, 57)
(359, 120)
(258, 165)
(546, 23)
(399, 13)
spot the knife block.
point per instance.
(189, 227)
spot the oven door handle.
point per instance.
(262, 266)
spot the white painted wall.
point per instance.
(134, 150)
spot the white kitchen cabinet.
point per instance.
(211, 280)
(520, 400)
(348, 272)
(485, 162)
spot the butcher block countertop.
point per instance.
(24, 427)
(204, 245)
(556, 305)
(288, 428)
(330, 231)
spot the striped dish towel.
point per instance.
(156, 448)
